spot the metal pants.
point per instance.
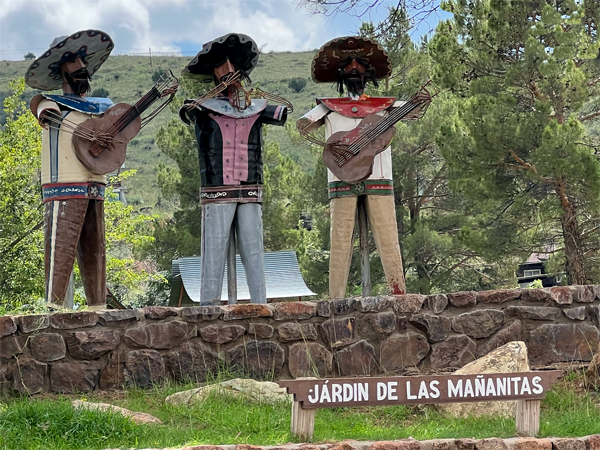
(381, 213)
(217, 219)
(72, 228)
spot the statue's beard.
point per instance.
(79, 81)
(355, 81)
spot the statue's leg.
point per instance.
(249, 230)
(63, 221)
(343, 217)
(216, 229)
(382, 218)
(91, 255)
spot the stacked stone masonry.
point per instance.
(80, 352)
(585, 443)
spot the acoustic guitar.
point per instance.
(349, 154)
(101, 143)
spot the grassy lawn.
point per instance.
(51, 422)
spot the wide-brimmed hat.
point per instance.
(240, 49)
(92, 46)
(326, 63)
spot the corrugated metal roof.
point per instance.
(282, 275)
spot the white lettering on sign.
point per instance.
(339, 393)
(418, 390)
(435, 392)
(381, 391)
(537, 388)
(392, 390)
(455, 391)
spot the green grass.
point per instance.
(51, 423)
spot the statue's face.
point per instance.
(224, 70)
(353, 75)
(76, 76)
(71, 67)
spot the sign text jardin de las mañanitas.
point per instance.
(338, 392)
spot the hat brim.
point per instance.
(325, 65)
(239, 48)
(92, 46)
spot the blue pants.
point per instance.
(217, 219)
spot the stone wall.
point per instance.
(79, 352)
(583, 443)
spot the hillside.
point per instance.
(127, 78)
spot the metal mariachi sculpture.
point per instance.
(227, 122)
(84, 138)
(359, 129)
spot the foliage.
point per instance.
(21, 212)
(517, 147)
(100, 92)
(297, 84)
(29, 56)
(127, 233)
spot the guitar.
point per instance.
(349, 154)
(101, 143)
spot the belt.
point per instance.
(65, 191)
(250, 193)
(367, 187)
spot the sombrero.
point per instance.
(240, 49)
(92, 46)
(325, 64)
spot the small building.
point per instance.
(535, 269)
(282, 274)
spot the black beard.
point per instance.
(354, 85)
(355, 82)
(79, 81)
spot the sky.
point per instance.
(178, 26)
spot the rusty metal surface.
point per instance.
(429, 389)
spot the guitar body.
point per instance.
(102, 160)
(359, 166)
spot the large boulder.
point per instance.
(511, 357)
(259, 391)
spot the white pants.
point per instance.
(217, 219)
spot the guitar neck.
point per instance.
(138, 109)
(394, 117)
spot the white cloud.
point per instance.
(163, 25)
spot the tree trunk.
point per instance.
(572, 236)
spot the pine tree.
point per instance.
(524, 72)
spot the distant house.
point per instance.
(535, 269)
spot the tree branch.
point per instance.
(589, 116)
(23, 236)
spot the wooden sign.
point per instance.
(528, 388)
(333, 393)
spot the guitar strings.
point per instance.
(343, 153)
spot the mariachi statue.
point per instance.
(227, 123)
(358, 129)
(84, 138)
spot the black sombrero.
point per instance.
(240, 49)
(92, 46)
(326, 63)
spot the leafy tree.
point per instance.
(519, 139)
(297, 84)
(21, 212)
(28, 56)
